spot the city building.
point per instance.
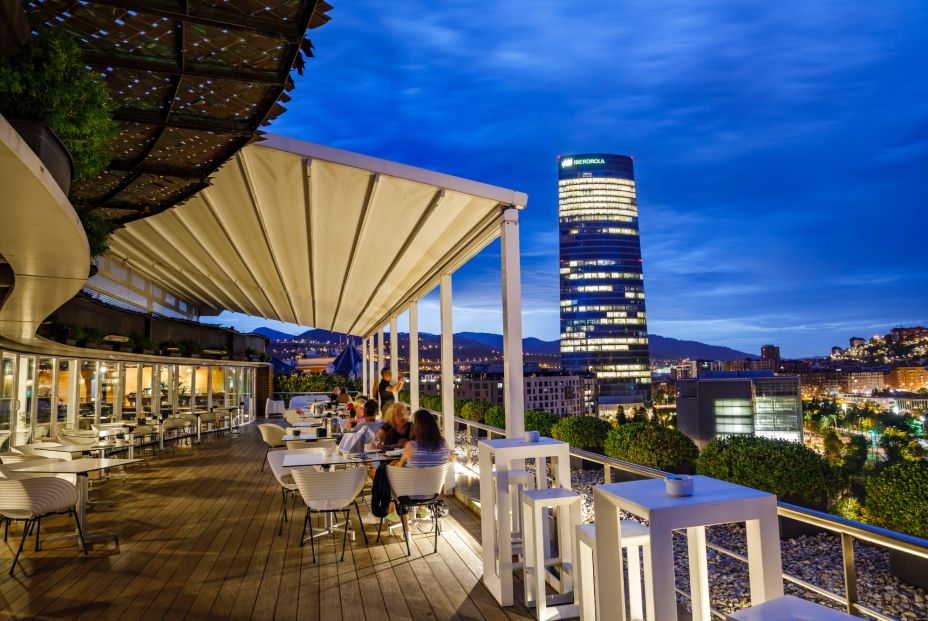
(770, 352)
(603, 321)
(822, 383)
(563, 394)
(911, 403)
(739, 403)
(836, 351)
(865, 382)
(901, 335)
(857, 341)
(908, 378)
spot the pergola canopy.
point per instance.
(312, 235)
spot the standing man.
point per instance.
(387, 392)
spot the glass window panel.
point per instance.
(7, 367)
(26, 394)
(86, 394)
(44, 394)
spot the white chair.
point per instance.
(789, 607)
(416, 487)
(287, 485)
(273, 436)
(30, 500)
(330, 492)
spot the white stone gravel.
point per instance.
(815, 559)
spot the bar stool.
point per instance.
(520, 480)
(789, 608)
(565, 504)
(635, 540)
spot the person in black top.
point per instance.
(387, 391)
(395, 431)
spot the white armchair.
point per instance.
(331, 491)
(415, 487)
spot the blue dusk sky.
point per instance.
(781, 149)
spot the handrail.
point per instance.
(848, 530)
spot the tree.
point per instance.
(913, 451)
(854, 455)
(893, 442)
(640, 415)
(651, 445)
(584, 432)
(496, 417)
(475, 410)
(897, 498)
(832, 445)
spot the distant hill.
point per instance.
(661, 347)
(664, 347)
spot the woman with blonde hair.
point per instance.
(396, 427)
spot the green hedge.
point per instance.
(650, 444)
(795, 473)
(583, 432)
(496, 416)
(897, 498)
(302, 382)
(474, 410)
(540, 421)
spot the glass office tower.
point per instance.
(603, 322)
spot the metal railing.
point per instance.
(848, 530)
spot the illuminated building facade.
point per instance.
(603, 323)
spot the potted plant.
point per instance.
(170, 348)
(59, 105)
(191, 348)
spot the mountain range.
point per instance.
(660, 347)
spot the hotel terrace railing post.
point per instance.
(513, 397)
(394, 350)
(364, 383)
(414, 355)
(381, 360)
(447, 371)
(847, 530)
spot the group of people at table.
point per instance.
(391, 428)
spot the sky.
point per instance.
(781, 149)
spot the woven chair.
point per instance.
(30, 500)
(273, 436)
(416, 487)
(333, 491)
(287, 485)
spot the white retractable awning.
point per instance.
(317, 236)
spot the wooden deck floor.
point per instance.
(198, 540)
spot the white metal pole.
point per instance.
(371, 376)
(364, 366)
(394, 350)
(380, 362)
(414, 356)
(514, 397)
(447, 372)
(119, 391)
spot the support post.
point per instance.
(513, 391)
(447, 372)
(381, 336)
(414, 356)
(371, 376)
(364, 383)
(394, 350)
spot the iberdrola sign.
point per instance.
(567, 162)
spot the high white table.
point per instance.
(273, 406)
(712, 502)
(495, 521)
(82, 468)
(337, 458)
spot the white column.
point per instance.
(119, 391)
(364, 366)
(381, 362)
(414, 356)
(209, 389)
(372, 377)
(447, 372)
(74, 388)
(394, 350)
(513, 391)
(155, 382)
(139, 408)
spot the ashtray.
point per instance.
(679, 485)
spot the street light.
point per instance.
(873, 435)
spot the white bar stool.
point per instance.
(635, 539)
(565, 504)
(519, 481)
(789, 608)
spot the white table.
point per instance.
(82, 468)
(337, 458)
(273, 406)
(495, 521)
(712, 502)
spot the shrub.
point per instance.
(832, 445)
(795, 473)
(583, 432)
(897, 498)
(651, 445)
(496, 416)
(430, 402)
(475, 410)
(540, 421)
(854, 455)
(49, 80)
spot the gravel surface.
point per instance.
(814, 559)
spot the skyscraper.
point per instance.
(603, 322)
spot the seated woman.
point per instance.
(396, 428)
(426, 447)
(356, 413)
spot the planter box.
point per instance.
(910, 569)
(50, 150)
